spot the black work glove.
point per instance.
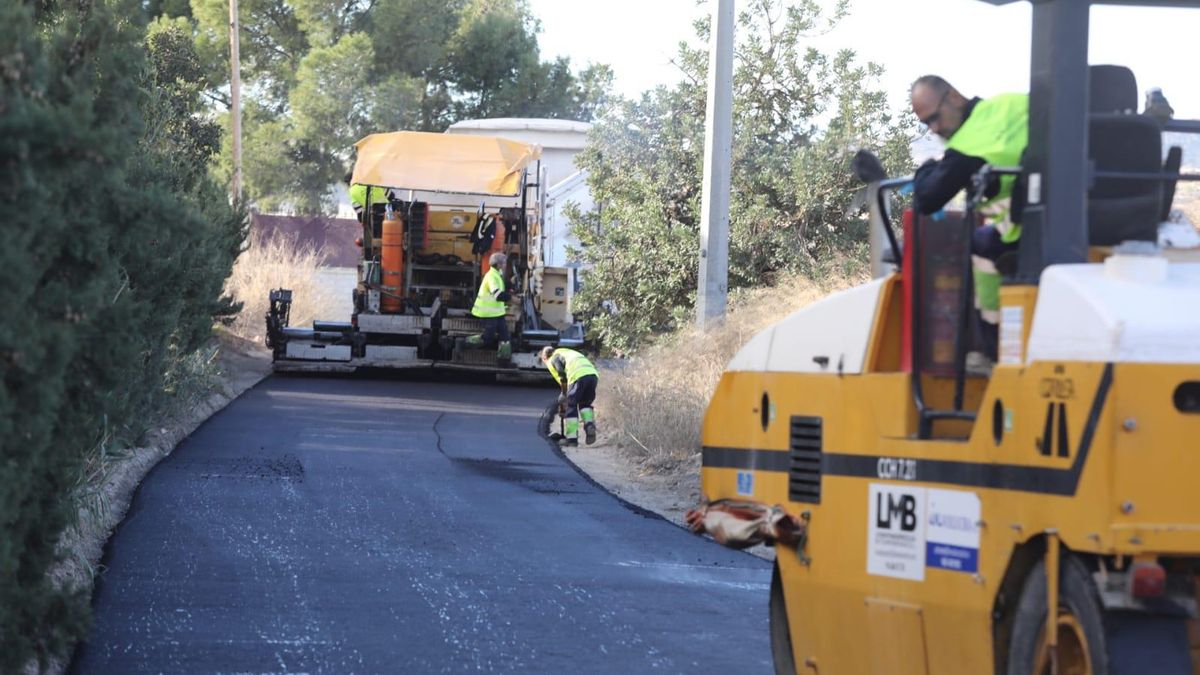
(503, 297)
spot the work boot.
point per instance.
(589, 432)
(504, 352)
(569, 442)
(474, 342)
(979, 364)
(570, 432)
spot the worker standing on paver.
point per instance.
(358, 196)
(578, 378)
(491, 306)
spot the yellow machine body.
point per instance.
(1093, 454)
(447, 233)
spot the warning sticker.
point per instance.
(952, 537)
(1012, 333)
(896, 532)
(745, 483)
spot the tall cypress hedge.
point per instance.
(114, 244)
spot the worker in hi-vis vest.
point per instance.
(577, 378)
(991, 131)
(491, 306)
(358, 196)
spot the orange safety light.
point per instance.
(1147, 580)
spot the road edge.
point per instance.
(544, 421)
(83, 547)
(762, 552)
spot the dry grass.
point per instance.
(1187, 199)
(278, 262)
(655, 402)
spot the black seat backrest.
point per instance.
(1112, 89)
(1122, 209)
(1118, 140)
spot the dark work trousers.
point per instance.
(580, 394)
(986, 243)
(492, 327)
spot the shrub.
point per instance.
(655, 401)
(798, 116)
(117, 243)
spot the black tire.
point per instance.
(1078, 604)
(781, 635)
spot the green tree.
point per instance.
(116, 246)
(332, 105)
(412, 38)
(497, 71)
(319, 74)
(271, 44)
(798, 115)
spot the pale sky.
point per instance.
(980, 48)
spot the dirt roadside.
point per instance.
(667, 492)
(239, 365)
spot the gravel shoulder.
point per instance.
(669, 493)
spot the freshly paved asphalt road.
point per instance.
(382, 526)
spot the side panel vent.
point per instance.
(804, 454)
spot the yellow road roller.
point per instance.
(1040, 518)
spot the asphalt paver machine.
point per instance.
(441, 204)
(1040, 519)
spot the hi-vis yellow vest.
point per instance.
(487, 306)
(997, 131)
(577, 365)
(358, 195)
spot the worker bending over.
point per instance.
(977, 131)
(577, 378)
(491, 305)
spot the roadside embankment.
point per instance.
(654, 403)
(650, 407)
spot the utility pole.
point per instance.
(718, 154)
(235, 102)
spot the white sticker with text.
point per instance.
(896, 531)
(952, 538)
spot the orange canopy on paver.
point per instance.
(414, 160)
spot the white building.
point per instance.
(561, 141)
(571, 190)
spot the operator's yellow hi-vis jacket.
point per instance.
(997, 131)
(358, 195)
(488, 304)
(571, 364)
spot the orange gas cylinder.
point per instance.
(391, 299)
(497, 246)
